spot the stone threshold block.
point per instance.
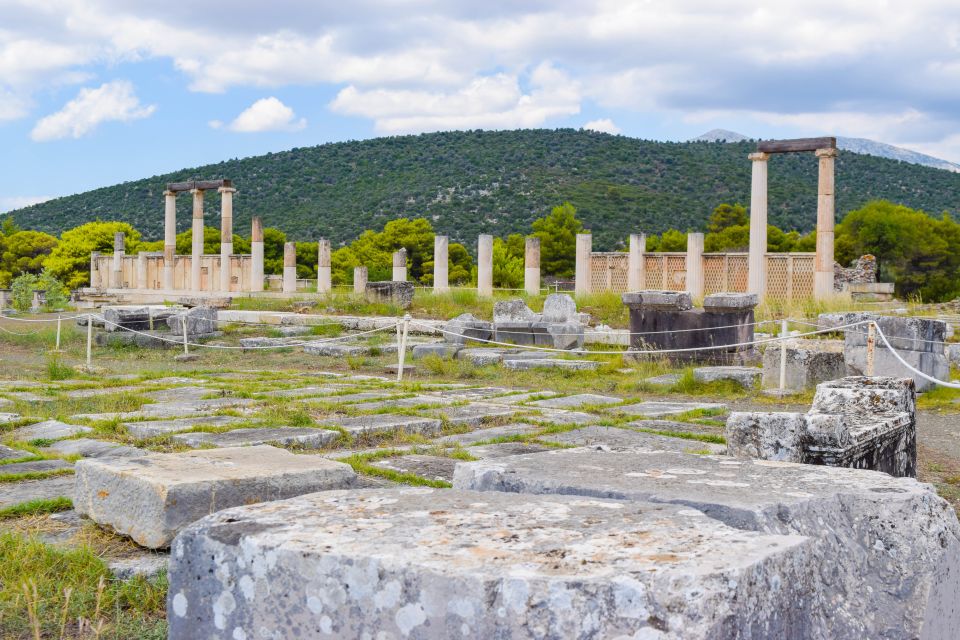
(429, 563)
(305, 437)
(151, 498)
(887, 549)
(385, 422)
(90, 448)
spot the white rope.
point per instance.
(14, 333)
(16, 319)
(952, 385)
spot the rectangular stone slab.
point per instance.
(49, 430)
(304, 436)
(888, 548)
(656, 409)
(383, 422)
(428, 563)
(155, 428)
(151, 498)
(474, 414)
(576, 401)
(597, 435)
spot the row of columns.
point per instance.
(196, 248)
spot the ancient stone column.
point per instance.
(290, 267)
(256, 255)
(485, 265)
(226, 236)
(441, 266)
(695, 280)
(359, 280)
(400, 265)
(757, 266)
(823, 269)
(118, 254)
(196, 253)
(582, 284)
(531, 266)
(324, 284)
(636, 263)
(142, 271)
(169, 237)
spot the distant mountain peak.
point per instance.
(720, 135)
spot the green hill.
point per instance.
(497, 182)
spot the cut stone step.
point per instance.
(89, 448)
(482, 435)
(153, 497)
(492, 565)
(385, 422)
(48, 430)
(619, 437)
(155, 428)
(303, 436)
(475, 414)
(545, 363)
(35, 466)
(559, 416)
(429, 467)
(656, 409)
(13, 493)
(576, 401)
(9, 453)
(884, 548)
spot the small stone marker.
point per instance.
(49, 430)
(153, 497)
(492, 565)
(304, 437)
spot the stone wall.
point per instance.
(862, 271)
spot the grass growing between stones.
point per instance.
(360, 462)
(33, 475)
(54, 592)
(940, 399)
(688, 385)
(36, 507)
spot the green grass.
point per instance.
(36, 507)
(36, 578)
(361, 464)
(33, 475)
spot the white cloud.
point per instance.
(492, 102)
(266, 114)
(9, 203)
(603, 125)
(111, 101)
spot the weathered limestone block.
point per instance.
(568, 335)
(47, 430)
(746, 377)
(514, 310)
(440, 349)
(730, 302)
(427, 563)
(887, 549)
(670, 300)
(398, 292)
(467, 327)
(522, 333)
(768, 436)
(481, 357)
(596, 435)
(305, 437)
(560, 308)
(151, 498)
(550, 363)
(199, 320)
(809, 362)
(139, 318)
(919, 341)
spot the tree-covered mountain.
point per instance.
(497, 182)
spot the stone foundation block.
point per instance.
(395, 292)
(809, 362)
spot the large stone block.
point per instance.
(426, 563)
(730, 302)
(746, 377)
(139, 318)
(768, 436)
(514, 310)
(887, 549)
(467, 327)
(395, 292)
(666, 300)
(560, 308)
(809, 362)
(151, 498)
(199, 321)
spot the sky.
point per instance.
(97, 92)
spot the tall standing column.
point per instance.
(757, 268)
(169, 237)
(485, 265)
(324, 284)
(256, 254)
(226, 236)
(695, 282)
(582, 284)
(118, 253)
(196, 253)
(823, 271)
(359, 280)
(636, 263)
(531, 266)
(400, 265)
(289, 267)
(441, 266)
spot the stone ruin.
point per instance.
(157, 326)
(860, 280)
(397, 292)
(666, 320)
(856, 422)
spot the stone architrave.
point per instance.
(323, 266)
(226, 236)
(695, 279)
(359, 280)
(441, 266)
(196, 254)
(823, 271)
(400, 265)
(531, 266)
(584, 250)
(118, 255)
(289, 267)
(256, 255)
(485, 265)
(636, 267)
(757, 269)
(169, 237)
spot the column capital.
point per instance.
(826, 153)
(196, 191)
(759, 156)
(226, 190)
(169, 193)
